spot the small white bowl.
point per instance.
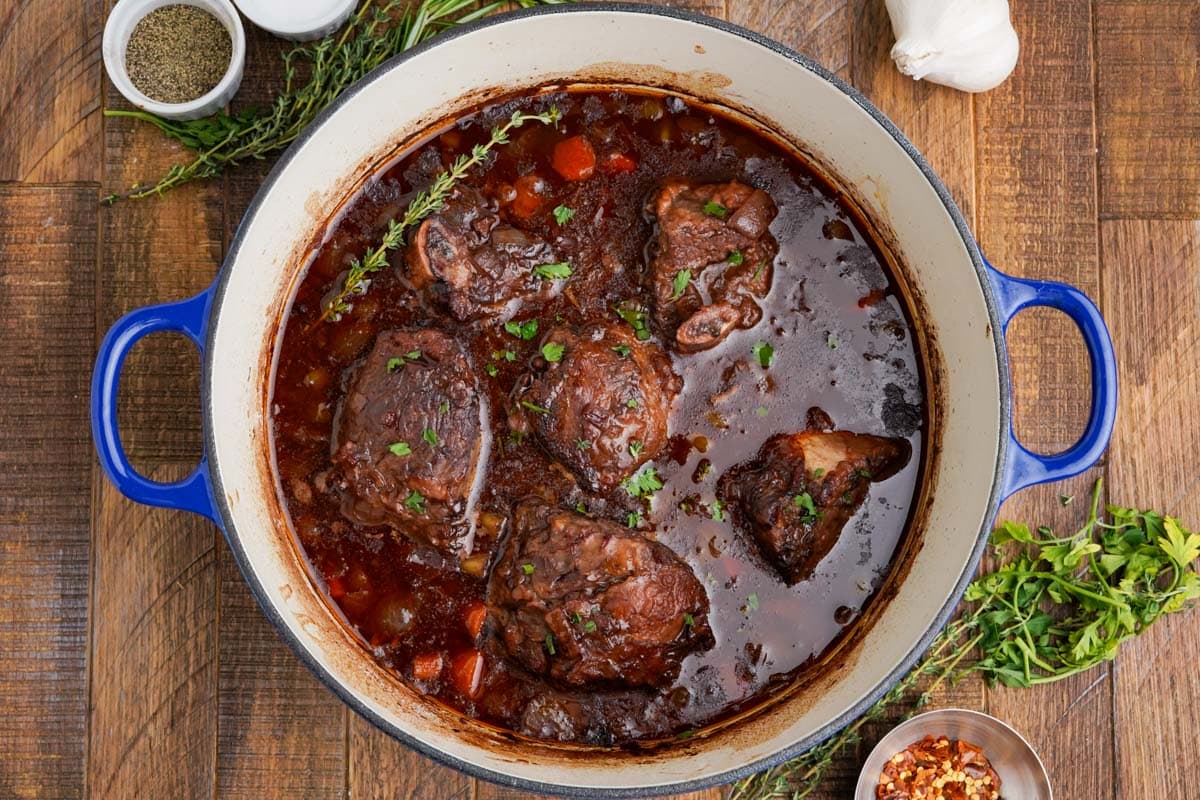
(298, 20)
(1022, 774)
(125, 16)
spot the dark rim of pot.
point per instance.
(910, 658)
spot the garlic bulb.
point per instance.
(967, 44)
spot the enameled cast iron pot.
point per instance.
(961, 307)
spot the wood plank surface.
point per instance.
(50, 92)
(1152, 272)
(154, 577)
(48, 249)
(1036, 196)
(1148, 98)
(133, 660)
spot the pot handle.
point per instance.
(1025, 468)
(189, 317)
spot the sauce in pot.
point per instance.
(830, 332)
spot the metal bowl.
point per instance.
(1021, 772)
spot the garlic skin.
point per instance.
(965, 44)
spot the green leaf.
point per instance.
(1181, 546)
(1011, 532)
(622, 350)
(552, 351)
(764, 353)
(644, 483)
(557, 272)
(735, 258)
(430, 436)
(400, 449)
(522, 330)
(635, 315)
(679, 283)
(563, 215)
(415, 502)
(535, 408)
(715, 209)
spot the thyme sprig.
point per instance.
(1056, 607)
(425, 202)
(315, 74)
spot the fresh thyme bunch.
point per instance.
(423, 204)
(1057, 607)
(372, 35)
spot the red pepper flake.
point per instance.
(938, 767)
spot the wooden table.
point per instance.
(133, 660)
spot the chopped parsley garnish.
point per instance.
(522, 330)
(764, 353)
(444, 407)
(581, 508)
(553, 272)
(491, 370)
(563, 215)
(715, 209)
(635, 315)
(622, 350)
(759, 271)
(717, 510)
(832, 342)
(735, 258)
(863, 473)
(804, 502)
(689, 620)
(576, 618)
(430, 436)
(680, 283)
(818, 472)
(761, 411)
(396, 362)
(631, 402)
(635, 448)
(527, 569)
(589, 626)
(550, 643)
(400, 449)
(583, 444)
(552, 351)
(415, 502)
(507, 355)
(644, 483)
(752, 602)
(532, 407)
(633, 519)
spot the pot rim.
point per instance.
(343, 692)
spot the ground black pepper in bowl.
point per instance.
(178, 53)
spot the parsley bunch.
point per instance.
(1057, 606)
(1064, 605)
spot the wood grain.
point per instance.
(1035, 190)
(1152, 272)
(381, 769)
(154, 576)
(50, 95)
(48, 253)
(1148, 98)
(818, 29)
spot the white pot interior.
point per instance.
(606, 45)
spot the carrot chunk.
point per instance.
(618, 162)
(528, 195)
(427, 666)
(466, 672)
(574, 158)
(475, 617)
